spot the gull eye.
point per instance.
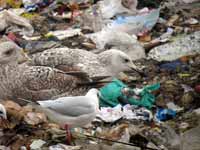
(126, 60)
(8, 52)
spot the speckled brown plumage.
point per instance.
(107, 63)
(32, 82)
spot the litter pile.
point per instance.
(142, 56)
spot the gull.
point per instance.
(107, 63)
(74, 111)
(34, 82)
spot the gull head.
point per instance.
(117, 61)
(11, 53)
(3, 112)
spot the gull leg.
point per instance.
(68, 134)
(72, 16)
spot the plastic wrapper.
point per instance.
(183, 46)
(31, 5)
(118, 40)
(113, 7)
(108, 114)
(135, 24)
(9, 19)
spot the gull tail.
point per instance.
(94, 83)
(98, 78)
(97, 81)
(34, 104)
(28, 101)
(78, 74)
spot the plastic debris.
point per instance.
(165, 114)
(174, 107)
(135, 24)
(38, 46)
(118, 40)
(114, 7)
(158, 107)
(35, 118)
(197, 88)
(108, 114)
(174, 66)
(14, 3)
(180, 47)
(37, 144)
(61, 35)
(112, 92)
(64, 147)
(189, 1)
(9, 18)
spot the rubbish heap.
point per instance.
(156, 107)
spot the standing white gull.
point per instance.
(74, 111)
(71, 111)
(107, 63)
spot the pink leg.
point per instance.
(68, 134)
(72, 16)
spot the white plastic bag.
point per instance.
(8, 18)
(135, 24)
(110, 8)
(187, 45)
(118, 40)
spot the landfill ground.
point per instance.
(162, 108)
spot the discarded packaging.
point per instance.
(118, 40)
(186, 45)
(111, 95)
(112, 8)
(165, 114)
(61, 35)
(8, 18)
(37, 144)
(135, 24)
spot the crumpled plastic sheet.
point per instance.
(10, 19)
(32, 5)
(37, 144)
(38, 46)
(135, 24)
(165, 114)
(112, 93)
(189, 1)
(64, 147)
(174, 66)
(113, 7)
(119, 40)
(108, 114)
(186, 45)
(63, 34)
(174, 107)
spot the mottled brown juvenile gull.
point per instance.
(32, 82)
(107, 63)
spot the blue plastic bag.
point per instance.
(165, 114)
